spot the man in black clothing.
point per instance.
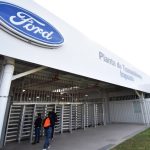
(54, 120)
(37, 126)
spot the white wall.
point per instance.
(126, 111)
(147, 110)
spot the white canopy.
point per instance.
(77, 55)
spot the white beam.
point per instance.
(138, 94)
(28, 72)
(143, 107)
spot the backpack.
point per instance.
(47, 122)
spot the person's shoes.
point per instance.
(49, 146)
(34, 143)
(38, 141)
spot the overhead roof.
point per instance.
(78, 54)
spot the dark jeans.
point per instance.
(48, 132)
(37, 134)
(53, 128)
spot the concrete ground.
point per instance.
(99, 138)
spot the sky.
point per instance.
(121, 26)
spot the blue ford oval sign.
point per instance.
(28, 26)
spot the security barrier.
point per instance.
(71, 116)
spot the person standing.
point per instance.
(54, 120)
(37, 127)
(48, 131)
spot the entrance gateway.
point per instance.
(47, 64)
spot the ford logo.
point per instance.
(28, 26)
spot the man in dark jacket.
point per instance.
(54, 120)
(37, 126)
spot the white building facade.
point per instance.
(45, 64)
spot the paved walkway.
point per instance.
(100, 138)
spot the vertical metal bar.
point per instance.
(32, 128)
(21, 125)
(145, 110)
(14, 94)
(62, 117)
(34, 96)
(76, 114)
(103, 110)
(45, 95)
(18, 95)
(84, 115)
(42, 97)
(143, 114)
(70, 124)
(94, 105)
(27, 98)
(24, 97)
(87, 115)
(51, 93)
(59, 93)
(141, 105)
(21, 91)
(55, 107)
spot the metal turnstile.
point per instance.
(13, 124)
(70, 117)
(26, 122)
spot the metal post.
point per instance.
(70, 124)
(144, 109)
(143, 114)
(76, 117)
(6, 76)
(32, 128)
(147, 111)
(87, 115)
(84, 115)
(104, 120)
(62, 117)
(141, 97)
(94, 114)
(22, 123)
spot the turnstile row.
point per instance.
(70, 117)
